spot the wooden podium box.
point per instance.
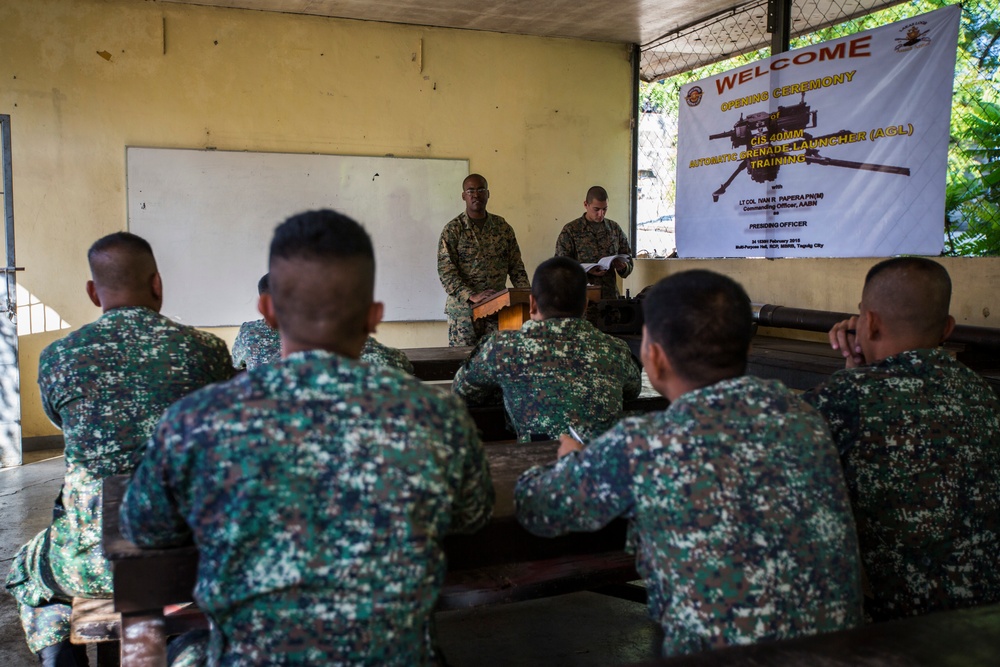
(511, 304)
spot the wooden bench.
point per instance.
(94, 621)
(516, 582)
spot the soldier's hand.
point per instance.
(619, 265)
(568, 444)
(597, 271)
(843, 337)
(485, 294)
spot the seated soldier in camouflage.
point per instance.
(739, 515)
(557, 370)
(106, 385)
(258, 343)
(919, 439)
(317, 489)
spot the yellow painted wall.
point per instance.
(543, 119)
(835, 284)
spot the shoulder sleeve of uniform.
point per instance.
(583, 491)
(149, 513)
(837, 400)
(624, 249)
(447, 263)
(476, 380)
(632, 371)
(219, 360)
(474, 493)
(565, 246)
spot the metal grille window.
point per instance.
(738, 37)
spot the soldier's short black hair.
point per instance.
(322, 275)
(703, 321)
(264, 284)
(121, 261)
(123, 240)
(913, 293)
(321, 234)
(560, 288)
(597, 193)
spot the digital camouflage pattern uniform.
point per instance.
(105, 385)
(588, 242)
(738, 514)
(470, 262)
(919, 438)
(377, 354)
(318, 490)
(550, 375)
(257, 344)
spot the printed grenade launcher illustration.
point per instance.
(770, 139)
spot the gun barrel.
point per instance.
(865, 166)
(723, 135)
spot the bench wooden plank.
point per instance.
(516, 582)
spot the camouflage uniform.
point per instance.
(377, 354)
(587, 241)
(552, 374)
(919, 438)
(738, 514)
(256, 344)
(468, 265)
(106, 385)
(318, 490)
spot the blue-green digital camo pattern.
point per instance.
(470, 262)
(377, 354)
(587, 241)
(106, 385)
(317, 490)
(738, 514)
(256, 344)
(919, 436)
(552, 374)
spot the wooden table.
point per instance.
(963, 637)
(146, 580)
(511, 306)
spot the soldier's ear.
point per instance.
(266, 307)
(533, 311)
(92, 293)
(375, 313)
(949, 326)
(156, 289)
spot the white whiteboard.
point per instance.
(209, 216)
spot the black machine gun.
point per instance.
(780, 138)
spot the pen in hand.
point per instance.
(576, 436)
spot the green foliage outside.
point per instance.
(972, 198)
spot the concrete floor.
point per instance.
(582, 629)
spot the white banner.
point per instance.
(833, 150)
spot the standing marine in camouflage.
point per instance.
(739, 515)
(557, 370)
(919, 438)
(317, 489)
(106, 385)
(591, 237)
(258, 343)
(476, 253)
